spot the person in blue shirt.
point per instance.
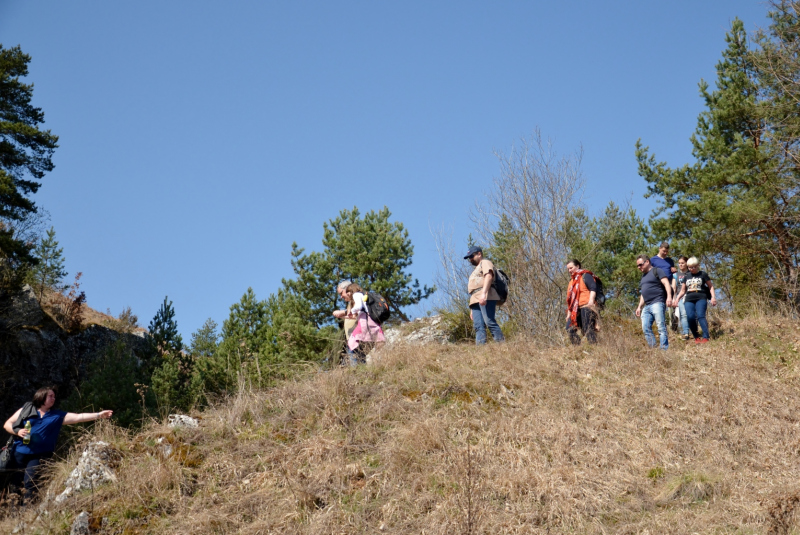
(662, 261)
(667, 265)
(46, 425)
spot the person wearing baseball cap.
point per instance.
(483, 297)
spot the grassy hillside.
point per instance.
(502, 439)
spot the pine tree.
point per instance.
(737, 204)
(49, 271)
(173, 374)
(164, 330)
(25, 152)
(369, 250)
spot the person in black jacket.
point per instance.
(46, 425)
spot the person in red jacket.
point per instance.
(581, 309)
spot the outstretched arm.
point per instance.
(73, 418)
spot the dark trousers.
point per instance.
(587, 322)
(28, 465)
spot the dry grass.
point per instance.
(512, 438)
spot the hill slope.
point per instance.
(502, 439)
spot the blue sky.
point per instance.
(199, 139)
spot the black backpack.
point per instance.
(377, 307)
(600, 292)
(500, 284)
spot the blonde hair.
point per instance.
(693, 261)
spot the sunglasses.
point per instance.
(639, 265)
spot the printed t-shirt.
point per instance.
(697, 286)
(666, 264)
(475, 283)
(44, 433)
(680, 279)
(651, 288)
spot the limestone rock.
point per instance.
(80, 526)
(421, 331)
(181, 420)
(95, 467)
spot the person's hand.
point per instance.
(713, 301)
(638, 312)
(22, 432)
(339, 314)
(673, 269)
(482, 302)
(105, 414)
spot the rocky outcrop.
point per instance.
(80, 526)
(181, 420)
(421, 331)
(95, 467)
(36, 351)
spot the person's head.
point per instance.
(573, 266)
(353, 288)
(44, 398)
(682, 263)
(663, 249)
(643, 263)
(341, 287)
(694, 264)
(474, 255)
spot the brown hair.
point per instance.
(575, 262)
(683, 258)
(40, 396)
(643, 257)
(353, 288)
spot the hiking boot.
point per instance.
(686, 337)
(700, 340)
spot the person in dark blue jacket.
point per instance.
(46, 425)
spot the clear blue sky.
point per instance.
(199, 139)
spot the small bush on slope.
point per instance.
(500, 439)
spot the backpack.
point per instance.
(500, 284)
(377, 307)
(600, 292)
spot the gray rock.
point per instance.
(181, 420)
(80, 526)
(95, 467)
(421, 331)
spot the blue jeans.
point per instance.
(684, 319)
(655, 312)
(483, 318)
(696, 313)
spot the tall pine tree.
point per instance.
(25, 152)
(736, 204)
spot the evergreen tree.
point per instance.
(370, 250)
(242, 338)
(25, 152)
(173, 378)
(607, 245)
(164, 330)
(737, 204)
(49, 271)
(205, 340)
